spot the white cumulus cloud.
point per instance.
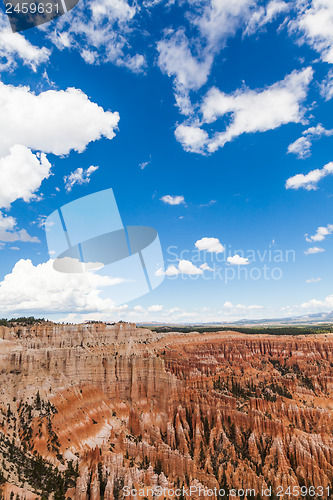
(237, 260)
(21, 174)
(193, 139)
(173, 200)
(313, 250)
(320, 234)
(319, 305)
(54, 121)
(40, 289)
(184, 267)
(155, 308)
(241, 307)
(309, 181)
(210, 245)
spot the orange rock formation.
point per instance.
(87, 410)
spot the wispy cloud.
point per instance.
(143, 165)
(9, 231)
(208, 204)
(79, 176)
(314, 25)
(326, 86)
(14, 47)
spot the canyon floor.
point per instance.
(98, 411)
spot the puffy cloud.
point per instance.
(257, 111)
(55, 121)
(14, 47)
(313, 250)
(173, 200)
(205, 267)
(172, 270)
(310, 180)
(314, 23)
(138, 308)
(40, 289)
(192, 138)
(302, 146)
(237, 260)
(319, 305)
(7, 223)
(51, 122)
(21, 174)
(210, 245)
(313, 280)
(320, 234)
(155, 308)
(185, 267)
(241, 307)
(249, 110)
(79, 176)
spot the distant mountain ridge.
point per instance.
(313, 319)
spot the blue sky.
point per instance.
(211, 121)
